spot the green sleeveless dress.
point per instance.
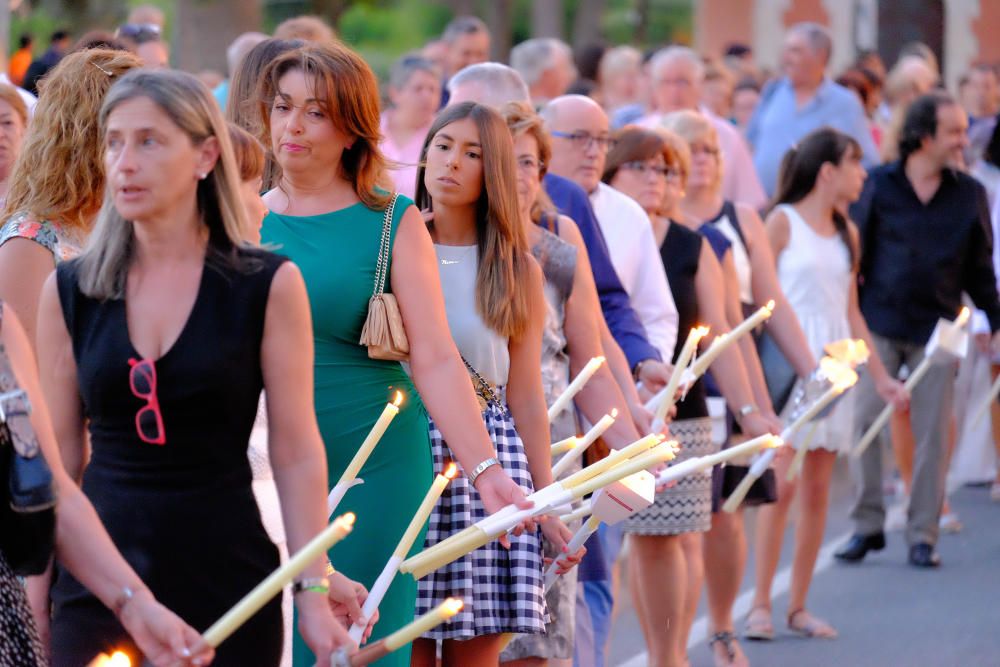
(337, 253)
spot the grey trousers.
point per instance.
(930, 412)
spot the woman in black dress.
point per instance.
(161, 336)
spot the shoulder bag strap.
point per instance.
(382, 267)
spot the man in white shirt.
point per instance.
(580, 141)
(678, 74)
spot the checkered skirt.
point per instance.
(502, 589)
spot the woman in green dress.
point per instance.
(320, 109)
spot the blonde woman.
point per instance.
(13, 122)
(572, 336)
(159, 339)
(57, 182)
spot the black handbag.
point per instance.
(28, 499)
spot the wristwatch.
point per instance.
(747, 410)
(638, 369)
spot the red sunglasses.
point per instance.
(149, 419)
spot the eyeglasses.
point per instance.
(644, 169)
(584, 140)
(148, 420)
(530, 164)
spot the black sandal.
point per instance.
(726, 638)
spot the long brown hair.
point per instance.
(59, 174)
(502, 276)
(800, 168)
(348, 93)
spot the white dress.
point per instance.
(815, 275)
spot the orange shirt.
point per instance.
(18, 66)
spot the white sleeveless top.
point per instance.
(815, 275)
(481, 346)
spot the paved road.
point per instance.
(888, 613)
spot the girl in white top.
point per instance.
(816, 250)
(496, 312)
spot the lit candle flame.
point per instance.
(702, 331)
(452, 606)
(614, 413)
(774, 442)
(451, 470)
(116, 659)
(349, 518)
(398, 400)
(840, 375)
(963, 317)
(770, 305)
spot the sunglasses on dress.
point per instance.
(149, 419)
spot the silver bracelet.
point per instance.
(481, 468)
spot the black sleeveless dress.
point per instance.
(182, 513)
(685, 507)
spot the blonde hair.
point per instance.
(522, 119)
(693, 126)
(348, 92)
(190, 105)
(10, 95)
(676, 152)
(307, 28)
(59, 174)
(502, 276)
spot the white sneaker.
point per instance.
(949, 523)
(895, 517)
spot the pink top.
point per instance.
(407, 155)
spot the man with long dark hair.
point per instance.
(926, 238)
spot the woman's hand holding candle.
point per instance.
(560, 535)
(347, 599)
(160, 634)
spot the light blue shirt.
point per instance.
(221, 93)
(778, 123)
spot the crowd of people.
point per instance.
(165, 235)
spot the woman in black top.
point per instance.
(161, 336)
(666, 537)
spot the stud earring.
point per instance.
(202, 176)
